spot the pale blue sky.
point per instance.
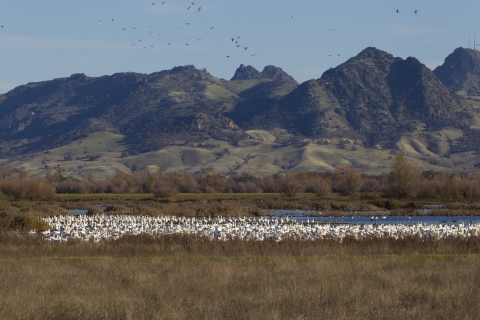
(46, 39)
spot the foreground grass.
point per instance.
(187, 278)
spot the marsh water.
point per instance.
(376, 217)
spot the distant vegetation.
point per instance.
(404, 181)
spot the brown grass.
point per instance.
(174, 277)
(185, 278)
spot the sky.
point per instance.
(45, 39)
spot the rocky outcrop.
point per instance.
(461, 71)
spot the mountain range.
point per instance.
(258, 122)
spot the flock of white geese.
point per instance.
(111, 227)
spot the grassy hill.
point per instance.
(259, 122)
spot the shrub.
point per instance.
(403, 177)
(290, 185)
(322, 187)
(164, 188)
(31, 189)
(347, 180)
(29, 223)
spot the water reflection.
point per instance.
(381, 217)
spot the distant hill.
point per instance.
(373, 101)
(461, 72)
(373, 96)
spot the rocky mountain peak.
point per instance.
(373, 53)
(246, 73)
(461, 70)
(276, 73)
(181, 69)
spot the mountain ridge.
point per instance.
(372, 101)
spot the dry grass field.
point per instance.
(174, 277)
(187, 278)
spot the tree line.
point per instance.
(404, 180)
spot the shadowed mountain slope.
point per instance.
(371, 101)
(460, 71)
(373, 96)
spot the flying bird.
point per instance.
(99, 21)
(415, 12)
(246, 48)
(199, 8)
(398, 11)
(154, 3)
(399, 40)
(293, 16)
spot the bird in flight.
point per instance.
(398, 11)
(415, 12)
(153, 3)
(211, 28)
(99, 21)
(199, 8)
(293, 16)
(246, 48)
(399, 40)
